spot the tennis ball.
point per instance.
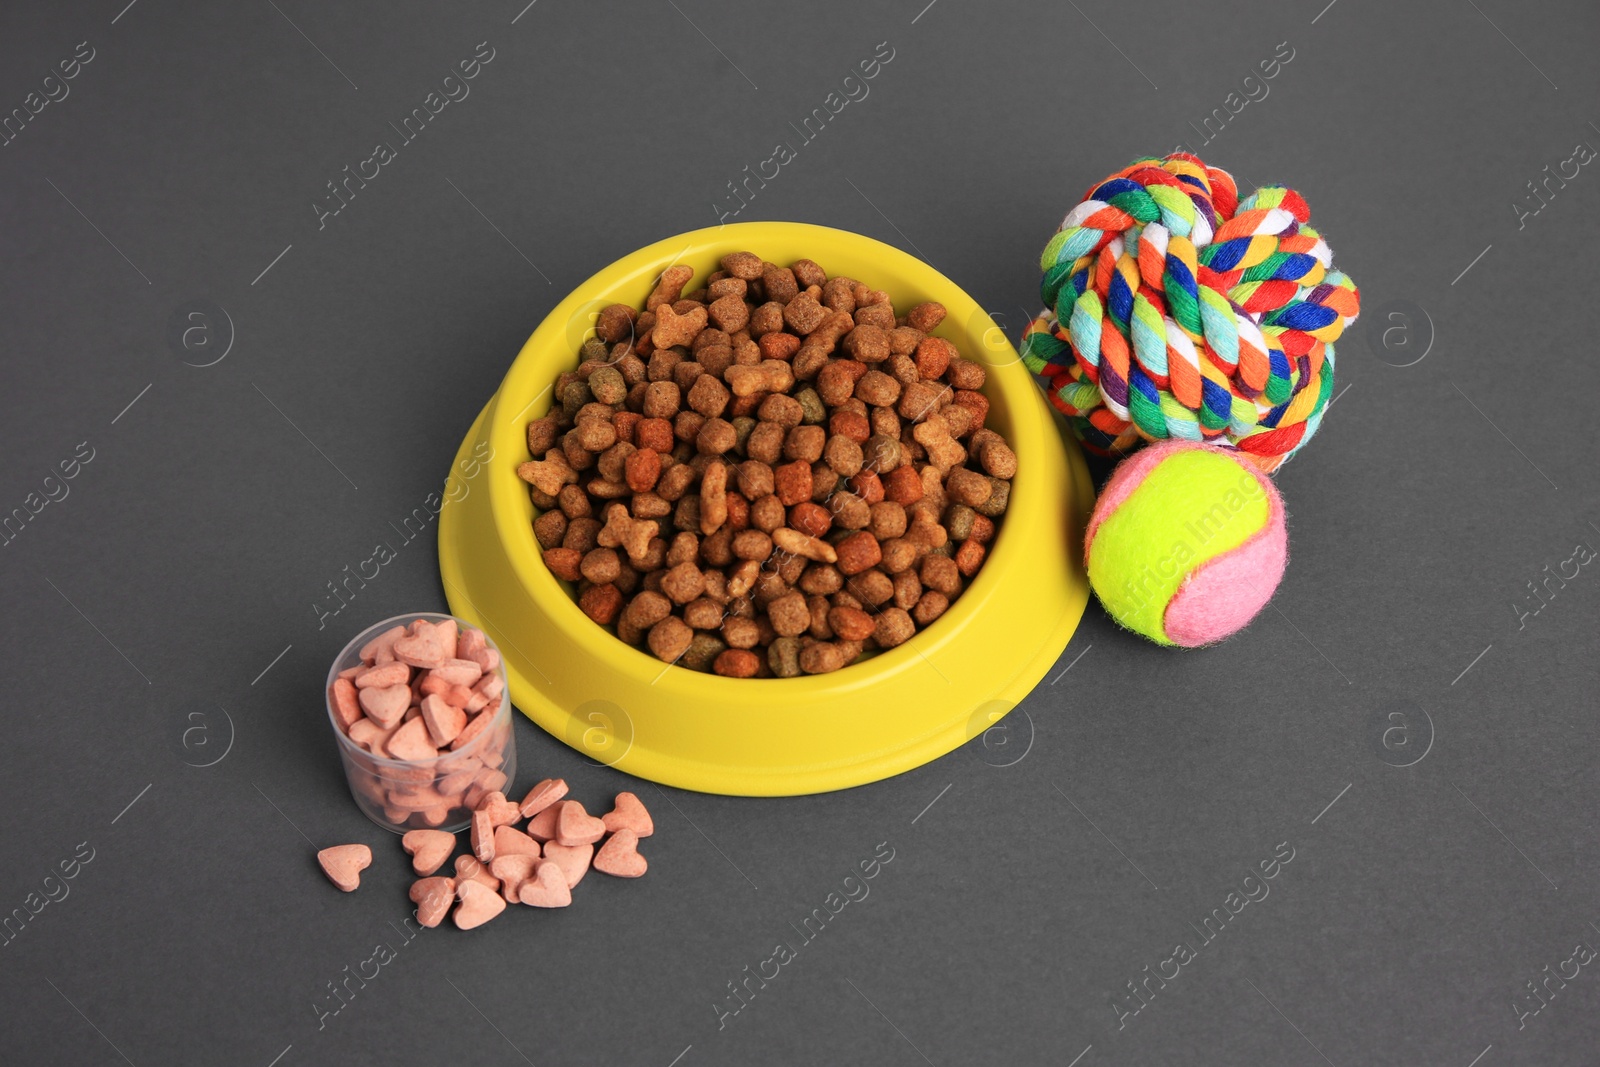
(1186, 543)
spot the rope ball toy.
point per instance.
(1181, 315)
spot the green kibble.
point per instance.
(812, 410)
(608, 386)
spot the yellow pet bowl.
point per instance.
(768, 736)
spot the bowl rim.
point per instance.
(1030, 431)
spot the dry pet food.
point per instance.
(769, 476)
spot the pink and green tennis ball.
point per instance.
(1186, 543)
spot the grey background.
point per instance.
(156, 596)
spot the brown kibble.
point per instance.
(601, 566)
(746, 265)
(879, 315)
(998, 459)
(668, 289)
(736, 663)
(670, 638)
(899, 555)
(542, 434)
(716, 436)
(703, 614)
(683, 583)
(843, 454)
(969, 557)
(805, 443)
(602, 603)
(925, 317)
(768, 376)
(780, 284)
(968, 487)
(808, 273)
(615, 323)
(851, 624)
(822, 657)
(793, 482)
(752, 544)
(934, 355)
(878, 389)
(941, 574)
(804, 314)
(867, 485)
(662, 400)
(799, 544)
(767, 513)
(887, 519)
(995, 506)
(673, 328)
(642, 468)
(778, 345)
(564, 563)
(858, 552)
(839, 294)
(785, 411)
(548, 475)
(810, 518)
(930, 606)
(903, 486)
(871, 587)
(965, 374)
(783, 657)
(708, 396)
(869, 344)
(730, 313)
(549, 528)
(894, 627)
(789, 614)
(740, 632)
(921, 399)
(647, 609)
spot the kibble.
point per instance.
(769, 476)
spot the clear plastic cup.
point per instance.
(440, 793)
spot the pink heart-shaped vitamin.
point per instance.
(512, 870)
(482, 837)
(469, 869)
(384, 675)
(542, 827)
(501, 811)
(411, 742)
(627, 813)
(574, 826)
(425, 648)
(547, 888)
(543, 795)
(573, 859)
(619, 856)
(433, 897)
(386, 705)
(428, 849)
(346, 705)
(509, 841)
(458, 672)
(445, 721)
(478, 905)
(343, 864)
(381, 648)
(468, 642)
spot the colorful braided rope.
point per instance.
(1176, 310)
